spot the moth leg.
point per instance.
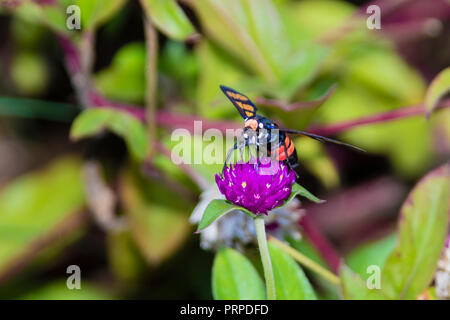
(229, 154)
(250, 153)
(258, 156)
(241, 147)
(291, 168)
(261, 152)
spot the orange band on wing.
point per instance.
(281, 154)
(281, 151)
(244, 106)
(291, 149)
(237, 96)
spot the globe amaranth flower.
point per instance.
(236, 229)
(258, 187)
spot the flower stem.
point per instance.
(305, 261)
(265, 257)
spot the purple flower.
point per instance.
(251, 185)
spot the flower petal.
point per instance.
(251, 185)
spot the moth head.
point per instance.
(252, 124)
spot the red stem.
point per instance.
(177, 120)
(325, 248)
(336, 128)
(165, 118)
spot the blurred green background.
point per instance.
(107, 203)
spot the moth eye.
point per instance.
(261, 125)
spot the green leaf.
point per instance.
(39, 206)
(96, 12)
(219, 207)
(173, 55)
(92, 121)
(159, 225)
(124, 79)
(290, 280)
(372, 253)
(27, 34)
(324, 288)
(385, 71)
(301, 70)
(213, 211)
(407, 141)
(124, 258)
(299, 190)
(52, 15)
(216, 209)
(241, 28)
(305, 247)
(308, 19)
(168, 17)
(235, 278)
(422, 231)
(439, 87)
(217, 67)
(355, 288)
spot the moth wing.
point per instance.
(242, 103)
(322, 138)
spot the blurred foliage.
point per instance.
(234, 277)
(422, 233)
(169, 18)
(409, 268)
(438, 88)
(283, 53)
(29, 74)
(355, 288)
(124, 79)
(35, 207)
(290, 280)
(124, 258)
(96, 12)
(323, 288)
(372, 253)
(58, 291)
(158, 224)
(92, 122)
